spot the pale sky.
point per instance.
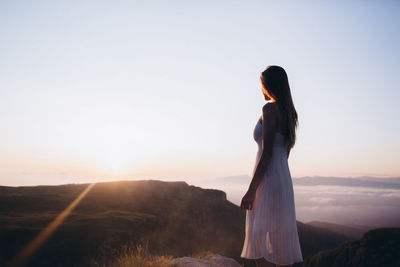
(106, 90)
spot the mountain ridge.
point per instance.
(173, 218)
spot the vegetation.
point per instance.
(379, 247)
(314, 239)
(130, 256)
(169, 218)
(172, 217)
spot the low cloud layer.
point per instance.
(363, 201)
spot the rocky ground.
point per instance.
(213, 261)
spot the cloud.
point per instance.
(367, 201)
(321, 200)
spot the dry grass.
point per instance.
(204, 255)
(139, 257)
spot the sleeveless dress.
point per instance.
(271, 230)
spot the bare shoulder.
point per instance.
(270, 109)
(270, 119)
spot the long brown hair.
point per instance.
(274, 79)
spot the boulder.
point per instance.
(213, 261)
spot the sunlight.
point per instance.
(114, 165)
(39, 240)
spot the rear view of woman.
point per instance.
(271, 231)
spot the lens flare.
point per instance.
(39, 240)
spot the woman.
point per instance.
(271, 231)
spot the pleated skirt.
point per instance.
(271, 230)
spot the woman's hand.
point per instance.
(247, 200)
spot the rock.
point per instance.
(213, 261)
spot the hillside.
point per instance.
(350, 231)
(378, 247)
(169, 218)
(314, 239)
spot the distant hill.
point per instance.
(172, 218)
(314, 239)
(350, 231)
(373, 182)
(362, 181)
(378, 247)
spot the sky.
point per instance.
(106, 90)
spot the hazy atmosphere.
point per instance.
(129, 133)
(99, 91)
(362, 201)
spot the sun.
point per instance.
(114, 164)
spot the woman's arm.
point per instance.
(269, 127)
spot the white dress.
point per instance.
(271, 230)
